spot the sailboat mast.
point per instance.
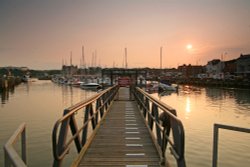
(126, 62)
(71, 58)
(161, 57)
(83, 60)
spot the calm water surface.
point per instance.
(199, 109)
(41, 103)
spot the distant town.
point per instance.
(234, 73)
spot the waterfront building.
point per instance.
(214, 69)
(161, 74)
(243, 65)
(191, 71)
(69, 71)
(230, 67)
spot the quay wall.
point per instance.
(217, 83)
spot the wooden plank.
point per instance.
(123, 139)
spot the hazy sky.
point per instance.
(41, 34)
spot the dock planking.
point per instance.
(122, 139)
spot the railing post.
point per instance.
(93, 121)
(163, 146)
(165, 122)
(215, 145)
(140, 98)
(85, 129)
(7, 162)
(170, 122)
(62, 140)
(216, 138)
(178, 136)
(150, 119)
(147, 107)
(158, 131)
(74, 130)
(97, 110)
(131, 92)
(79, 136)
(11, 157)
(24, 158)
(106, 103)
(102, 107)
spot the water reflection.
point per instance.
(188, 105)
(230, 99)
(67, 95)
(187, 89)
(199, 109)
(27, 87)
(240, 96)
(39, 104)
(187, 108)
(5, 95)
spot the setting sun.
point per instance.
(189, 46)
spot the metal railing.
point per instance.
(216, 137)
(11, 157)
(165, 120)
(93, 109)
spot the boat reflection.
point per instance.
(187, 89)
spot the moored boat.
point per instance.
(26, 78)
(90, 86)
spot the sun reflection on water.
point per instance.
(187, 107)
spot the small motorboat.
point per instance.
(90, 86)
(26, 78)
(164, 87)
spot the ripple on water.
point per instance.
(231, 146)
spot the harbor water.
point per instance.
(199, 109)
(41, 103)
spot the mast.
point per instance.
(92, 61)
(161, 57)
(71, 58)
(126, 61)
(83, 60)
(95, 59)
(70, 68)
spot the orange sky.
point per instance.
(40, 34)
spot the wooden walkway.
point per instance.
(122, 139)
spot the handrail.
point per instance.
(164, 122)
(216, 136)
(94, 109)
(11, 156)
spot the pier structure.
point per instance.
(119, 126)
(122, 127)
(133, 74)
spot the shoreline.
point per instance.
(217, 83)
